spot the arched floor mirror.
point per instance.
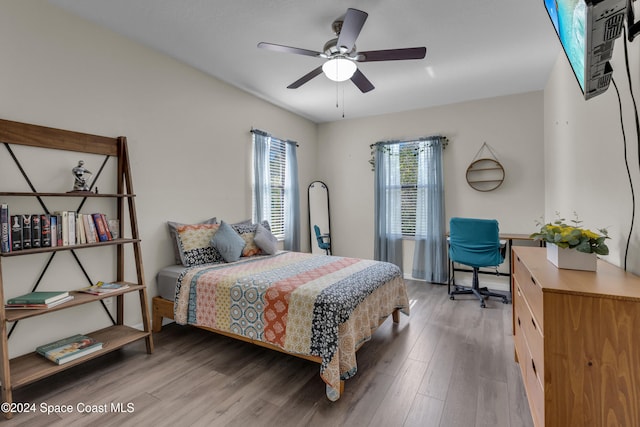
(318, 197)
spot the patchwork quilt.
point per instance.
(317, 305)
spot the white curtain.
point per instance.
(291, 200)
(387, 192)
(430, 253)
(261, 181)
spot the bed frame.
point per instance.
(163, 308)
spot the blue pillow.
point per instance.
(228, 242)
(265, 240)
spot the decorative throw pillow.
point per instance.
(265, 240)
(193, 241)
(227, 242)
(173, 226)
(247, 231)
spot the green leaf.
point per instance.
(584, 246)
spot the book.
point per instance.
(45, 230)
(87, 221)
(5, 231)
(114, 228)
(53, 220)
(102, 288)
(68, 349)
(36, 231)
(81, 238)
(101, 227)
(16, 232)
(105, 221)
(59, 227)
(26, 231)
(64, 221)
(39, 306)
(71, 216)
(38, 297)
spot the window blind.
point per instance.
(277, 166)
(409, 186)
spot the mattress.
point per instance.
(167, 279)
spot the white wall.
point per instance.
(584, 154)
(511, 125)
(188, 137)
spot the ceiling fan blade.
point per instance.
(302, 80)
(362, 82)
(351, 27)
(288, 49)
(392, 54)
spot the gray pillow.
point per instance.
(228, 242)
(177, 251)
(265, 240)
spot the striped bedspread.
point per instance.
(316, 305)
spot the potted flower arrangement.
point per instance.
(561, 238)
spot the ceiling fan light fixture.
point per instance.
(339, 69)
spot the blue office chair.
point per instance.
(326, 245)
(475, 243)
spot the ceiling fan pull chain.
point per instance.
(343, 101)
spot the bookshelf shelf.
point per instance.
(68, 194)
(79, 298)
(68, 248)
(33, 367)
(28, 368)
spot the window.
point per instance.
(409, 187)
(277, 167)
(409, 203)
(275, 187)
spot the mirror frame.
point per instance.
(312, 241)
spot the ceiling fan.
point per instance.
(341, 54)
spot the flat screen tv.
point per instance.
(587, 31)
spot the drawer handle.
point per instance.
(519, 321)
(534, 281)
(533, 365)
(534, 324)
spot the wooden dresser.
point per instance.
(577, 340)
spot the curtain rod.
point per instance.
(443, 138)
(263, 133)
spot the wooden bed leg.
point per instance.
(157, 311)
(157, 322)
(341, 387)
(395, 316)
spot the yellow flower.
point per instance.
(590, 234)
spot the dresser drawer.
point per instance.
(532, 335)
(532, 291)
(535, 392)
(522, 352)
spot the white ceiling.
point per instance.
(475, 48)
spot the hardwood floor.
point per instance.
(450, 364)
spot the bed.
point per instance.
(317, 307)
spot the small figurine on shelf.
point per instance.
(80, 172)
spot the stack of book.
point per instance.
(102, 288)
(42, 300)
(68, 349)
(63, 228)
